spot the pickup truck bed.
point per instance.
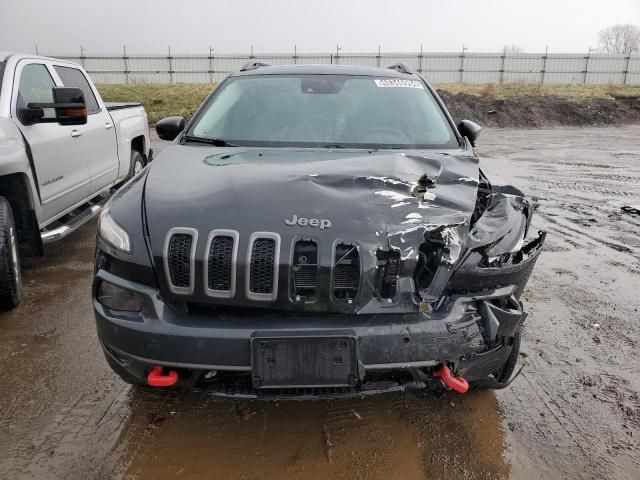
(111, 106)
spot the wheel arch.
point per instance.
(138, 144)
(16, 189)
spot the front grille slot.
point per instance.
(220, 253)
(387, 274)
(220, 264)
(346, 272)
(262, 278)
(179, 264)
(179, 259)
(304, 270)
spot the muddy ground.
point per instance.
(535, 111)
(573, 413)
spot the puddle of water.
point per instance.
(391, 436)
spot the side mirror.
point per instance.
(170, 127)
(470, 129)
(68, 103)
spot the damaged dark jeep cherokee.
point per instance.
(315, 231)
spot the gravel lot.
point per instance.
(573, 413)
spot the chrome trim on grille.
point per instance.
(234, 260)
(264, 297)
(192, 259)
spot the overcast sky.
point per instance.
(191, 26)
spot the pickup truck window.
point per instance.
(72, 77)
(325, 110)
(35, 87)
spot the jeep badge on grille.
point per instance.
(322, 223)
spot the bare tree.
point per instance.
(623, 39)
(511, 49)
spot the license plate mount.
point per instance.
(303, 361)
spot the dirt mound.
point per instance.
(539, 111)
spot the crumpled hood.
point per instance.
(376, 199)
(362, 193)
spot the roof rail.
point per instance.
(400, 67)
(253, 64)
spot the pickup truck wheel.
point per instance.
(10, 276)
(137, 164)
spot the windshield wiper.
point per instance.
(218, 142)
(333, 145)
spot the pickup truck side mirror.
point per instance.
(170, 127)
(470, 129)
(68, 103)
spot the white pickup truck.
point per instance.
(62, 151)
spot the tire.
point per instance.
(137, 163)
(10, 274)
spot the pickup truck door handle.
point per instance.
(108, 126)
(76, 133)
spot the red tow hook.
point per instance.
(157, 379)
(457, 384)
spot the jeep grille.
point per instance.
(179, 260)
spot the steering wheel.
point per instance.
(383, 135)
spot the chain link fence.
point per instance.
(479, 68)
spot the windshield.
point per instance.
(324, 111)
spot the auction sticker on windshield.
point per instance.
(395, 82)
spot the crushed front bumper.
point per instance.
(471, 333)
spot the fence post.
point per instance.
(544, 65)
(82, 55)
(504, 54)
(211, 63)
(378, 57)
(37, 49)
(462, 63)
(251, 56)
(420, 60)
(626, 70)
(295, 54)
(126, 64)
(170, 65)
(586, 66)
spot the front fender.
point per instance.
(13, 152)
(15, 159)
